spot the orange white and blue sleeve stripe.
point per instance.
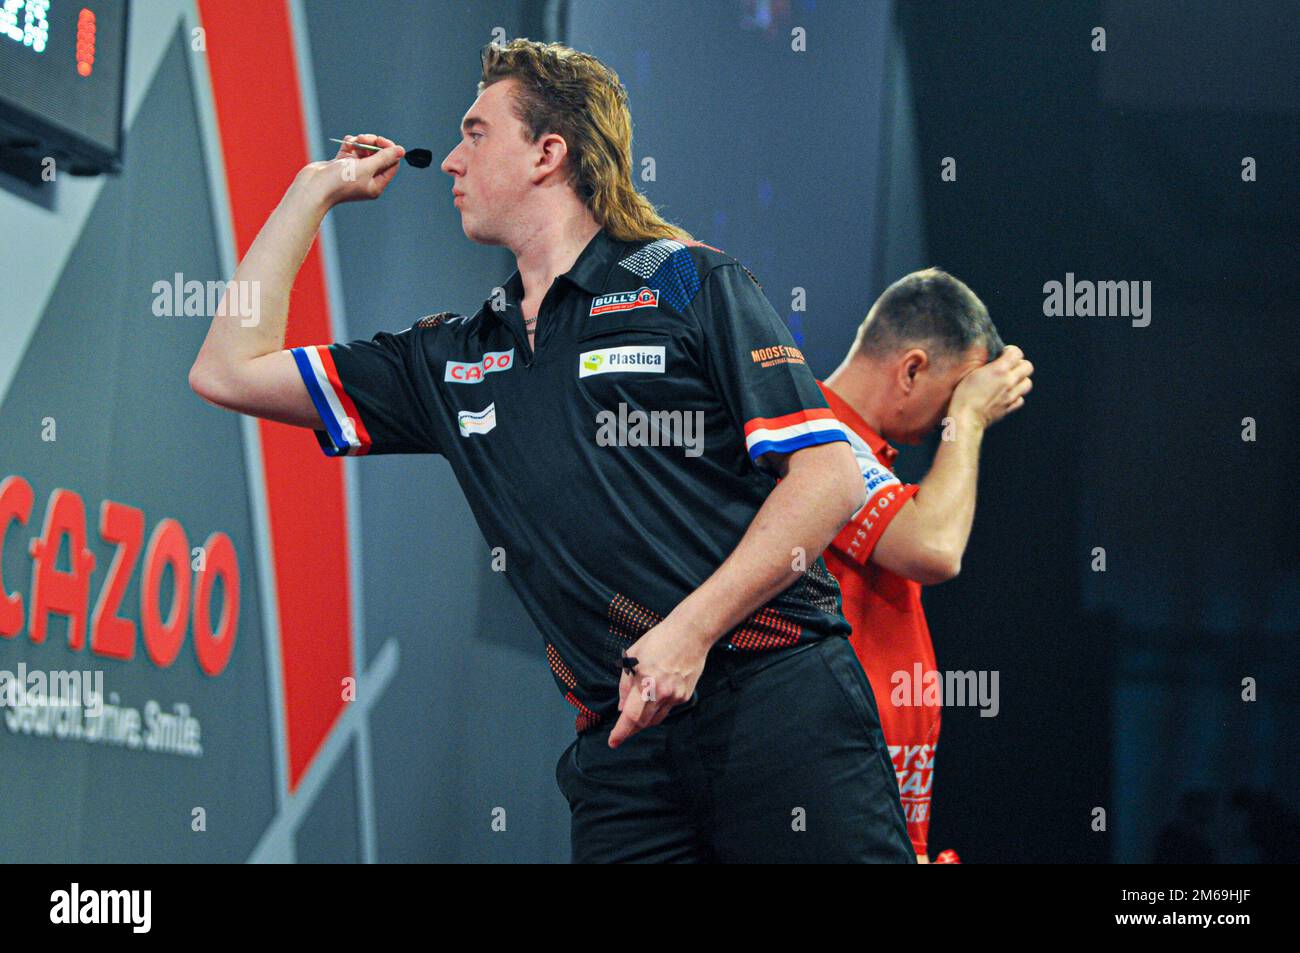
(791, 432)
(345, 433)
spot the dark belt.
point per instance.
(726, 668)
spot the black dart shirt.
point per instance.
(617, 465)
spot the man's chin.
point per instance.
(477, 235)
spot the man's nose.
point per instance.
(447, 162)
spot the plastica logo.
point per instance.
(629, 357)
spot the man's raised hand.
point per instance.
(355, 174)
(996, 389)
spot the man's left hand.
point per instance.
(669, 664)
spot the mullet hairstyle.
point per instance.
(578, 98)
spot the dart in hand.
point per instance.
(419, 158)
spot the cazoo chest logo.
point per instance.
(471, 372)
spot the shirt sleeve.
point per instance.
(759, 373)
(886, 494)
(372, 396)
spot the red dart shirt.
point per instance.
(890, 634)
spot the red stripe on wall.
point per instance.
(260, 123)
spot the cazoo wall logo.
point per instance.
(99, 619)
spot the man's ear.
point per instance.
(551, 155)
(914, 361)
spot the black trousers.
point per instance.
(780, 759)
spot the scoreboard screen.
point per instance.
(62, 78)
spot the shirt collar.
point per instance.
(847, 415)
(590, 270)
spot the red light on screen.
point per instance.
(85, 42)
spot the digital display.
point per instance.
(34, 27)
(62, 72)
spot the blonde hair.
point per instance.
(577, 97)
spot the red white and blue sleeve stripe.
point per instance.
(343, 425)
(791, 432)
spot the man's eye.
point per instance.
(476, 136)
